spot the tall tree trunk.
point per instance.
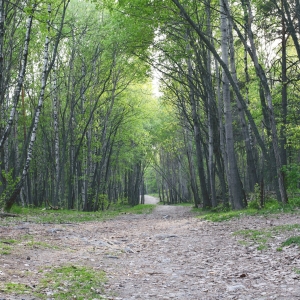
(193, 180)
(235, 185)
(261, 74)
(21, 76)
(11, 199)
(221, 150)
(235, 88)
(2, 22)
(205, 196)
(210, 116)
(56, 201)
(252, 175)
(283, 140)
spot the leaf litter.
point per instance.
(153, 257)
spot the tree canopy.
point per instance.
(81, 125)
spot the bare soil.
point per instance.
(168, 254)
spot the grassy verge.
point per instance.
(38, 215)
(261, 238)
(221, 213)
(65, 282)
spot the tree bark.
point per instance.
(21, 76)
(235, 186)
(196, 124)
(2, 22)
(10, 201)
(261, 74)
(252, 175)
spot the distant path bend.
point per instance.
(167, 211)
(151, 200)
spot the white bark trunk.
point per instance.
(21, 76)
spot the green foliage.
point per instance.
(292, 177)
(293, 136)
(10, 186)
(36, 244)
(62, 216)
(65, 282)
(222, 216)
(18, 288)
(6, 246)
(220, 208)
(260, 238)
(294, 202)
(183, 204)
(254, 202)
(272, 206)
(297, 271)
(292, 240)
(141, 209)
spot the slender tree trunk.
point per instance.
(21, 76)
(193, 181)
(205, 196)
(297, 12)
(261, 74)
(10, 201)
(2, 22)
(34, 126)
(56, 201)
(283, 140)
(210, 117)
(236, 189)
(235, 88)
(221, 149)
(252, 175)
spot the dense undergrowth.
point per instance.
(41, 215)
(271, 206)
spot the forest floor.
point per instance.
(168, 254)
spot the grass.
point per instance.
(17, 288)
(221, 213)
(38, 215)
(36, 244)
(263, 236)
(6, 246)
(297, 271)
(64, 283)
(292, 240)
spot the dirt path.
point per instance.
(168, 254)
(151, 200)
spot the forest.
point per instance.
(103, 101)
